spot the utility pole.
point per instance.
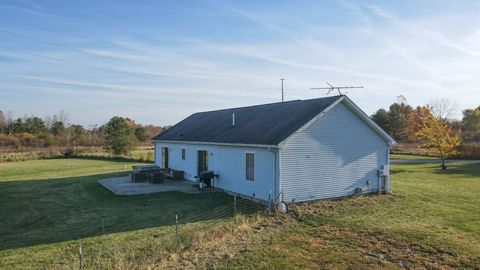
(282, 90)
(332, 88)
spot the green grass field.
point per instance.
(50, 201)
(432, 220)
(50, 207)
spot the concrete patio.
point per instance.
(124, 186)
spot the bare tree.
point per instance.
(3, 122)
(63, 117)
(49, 120)
(443, 108)
(9, 117)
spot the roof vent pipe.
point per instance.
(233, 119)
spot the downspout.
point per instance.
(274, 179)
(387, 178)
(379, 180)
(154, 153)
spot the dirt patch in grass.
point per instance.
(326, 206)
(393, 252)
(372, 243)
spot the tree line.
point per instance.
(432, 128)
(118, 136)
(428, 127)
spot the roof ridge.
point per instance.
(269, 104)
(263, 124)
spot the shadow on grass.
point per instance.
(52, 210)
(464, 169)
(469, 170)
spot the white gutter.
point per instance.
(218, 144)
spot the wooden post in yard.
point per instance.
(235, 205)
(81, 257)
(176, 230)
(269, 198)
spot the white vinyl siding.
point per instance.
(230, 164)
(335, 155)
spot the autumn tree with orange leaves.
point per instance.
(438, 138)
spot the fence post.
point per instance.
(235, 205)
(81, 257)
(269, 199)
(176, 230)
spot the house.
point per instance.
(297, 151)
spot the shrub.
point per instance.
(27, 139)
(9, 141)
(68, 152)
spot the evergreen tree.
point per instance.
(119, 136)
(57, 128)
(382, 118)
(141, 134)
(471, 124)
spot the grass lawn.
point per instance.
(432, 220)
(50, 201)
(50, 207)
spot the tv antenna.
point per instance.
(333, 88)
(282, 89)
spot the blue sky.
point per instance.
(159, 61)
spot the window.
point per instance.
(250, 166)
(183, 154)
(165, 157)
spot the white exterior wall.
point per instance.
(229, 163)
(337, 153)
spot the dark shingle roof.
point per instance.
(267, 124)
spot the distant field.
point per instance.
(141, 154)
(410, 156)
(145, 155)
(50, 207)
